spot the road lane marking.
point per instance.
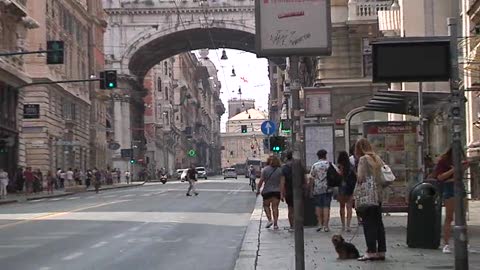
(119, 236)
(57, 214)
(20, 246)
(72, 256)
(109, 196)
(37, 200)
(99, 244)
(56, 199)
(45, 268)
(73, 198)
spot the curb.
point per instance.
(50, 196)
(8, 201)
(248, 253)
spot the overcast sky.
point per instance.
(251, 75)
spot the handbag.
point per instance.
(387, 174)
(365, 194)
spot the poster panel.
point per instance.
(318, 137)
(395, 142)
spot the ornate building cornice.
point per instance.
(173, 10)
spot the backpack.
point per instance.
(334, 179)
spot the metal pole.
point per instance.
(457, 113)
(23, 53)
(420, 136)
(297, 173)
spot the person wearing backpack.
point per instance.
(345, 191)
(322, 193)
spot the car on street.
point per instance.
(201, 172)
(183, 176)
(178, 173)
(230, 173)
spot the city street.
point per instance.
(150, 227)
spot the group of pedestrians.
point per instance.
(33, 180)
(362, 165)
(276, 185)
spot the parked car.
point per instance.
(230, 173)
(202, 172)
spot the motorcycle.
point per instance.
(163, 178)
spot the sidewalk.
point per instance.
(265, 249)
(14, 198)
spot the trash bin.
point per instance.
(424, 217)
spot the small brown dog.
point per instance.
(345, 250)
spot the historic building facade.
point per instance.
(60, 136)
(238, 146)
(182, 115)
(15, 22)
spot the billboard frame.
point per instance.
(307, 51)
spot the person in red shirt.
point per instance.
(444, 172)
(29, 178)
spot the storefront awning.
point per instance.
(406, 102)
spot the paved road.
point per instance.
(150, 227)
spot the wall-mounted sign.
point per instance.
(31, 111)
(113, 146)
(300, 27)
(318, 101)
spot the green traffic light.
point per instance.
(111, 85)
(132, 161)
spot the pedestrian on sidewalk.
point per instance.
(70, 176)
(38, 182)
(63, 177)
(322, 194)
(29, 179)
(127, 176)
(369, 166)
(192, 178)
(88, 179)
(288, 187)
(444, 172)
(50, 182)
(345, 192)
(272, 180)
(98, 179)
(20, 180)
(3, 183)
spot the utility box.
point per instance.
(424, 217)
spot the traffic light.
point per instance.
(277, 143)
(55, 52)
(109, 79)
(133, 161)
(244, 128)
(3, 147)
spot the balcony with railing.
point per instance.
(389, 21)
(364, 10)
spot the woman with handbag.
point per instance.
(368, 195)
(272, 181)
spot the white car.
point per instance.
(230, 173)
(201, 172)
(183, 176)
(178, 173)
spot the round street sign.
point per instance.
(113, 146)
(192, 153)
(268, 127)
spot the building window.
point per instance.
(166, 93)
(159, 84)
(165, 68)
(366, 57)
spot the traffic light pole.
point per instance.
(55, 82)
(23, 53)
(457, 113)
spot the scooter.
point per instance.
(163, 178)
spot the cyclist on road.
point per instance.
(253, 177)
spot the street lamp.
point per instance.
(224, 55)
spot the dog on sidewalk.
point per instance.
(344, 250)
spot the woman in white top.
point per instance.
(3, 183)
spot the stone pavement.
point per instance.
(266, 249)
(21, 197)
